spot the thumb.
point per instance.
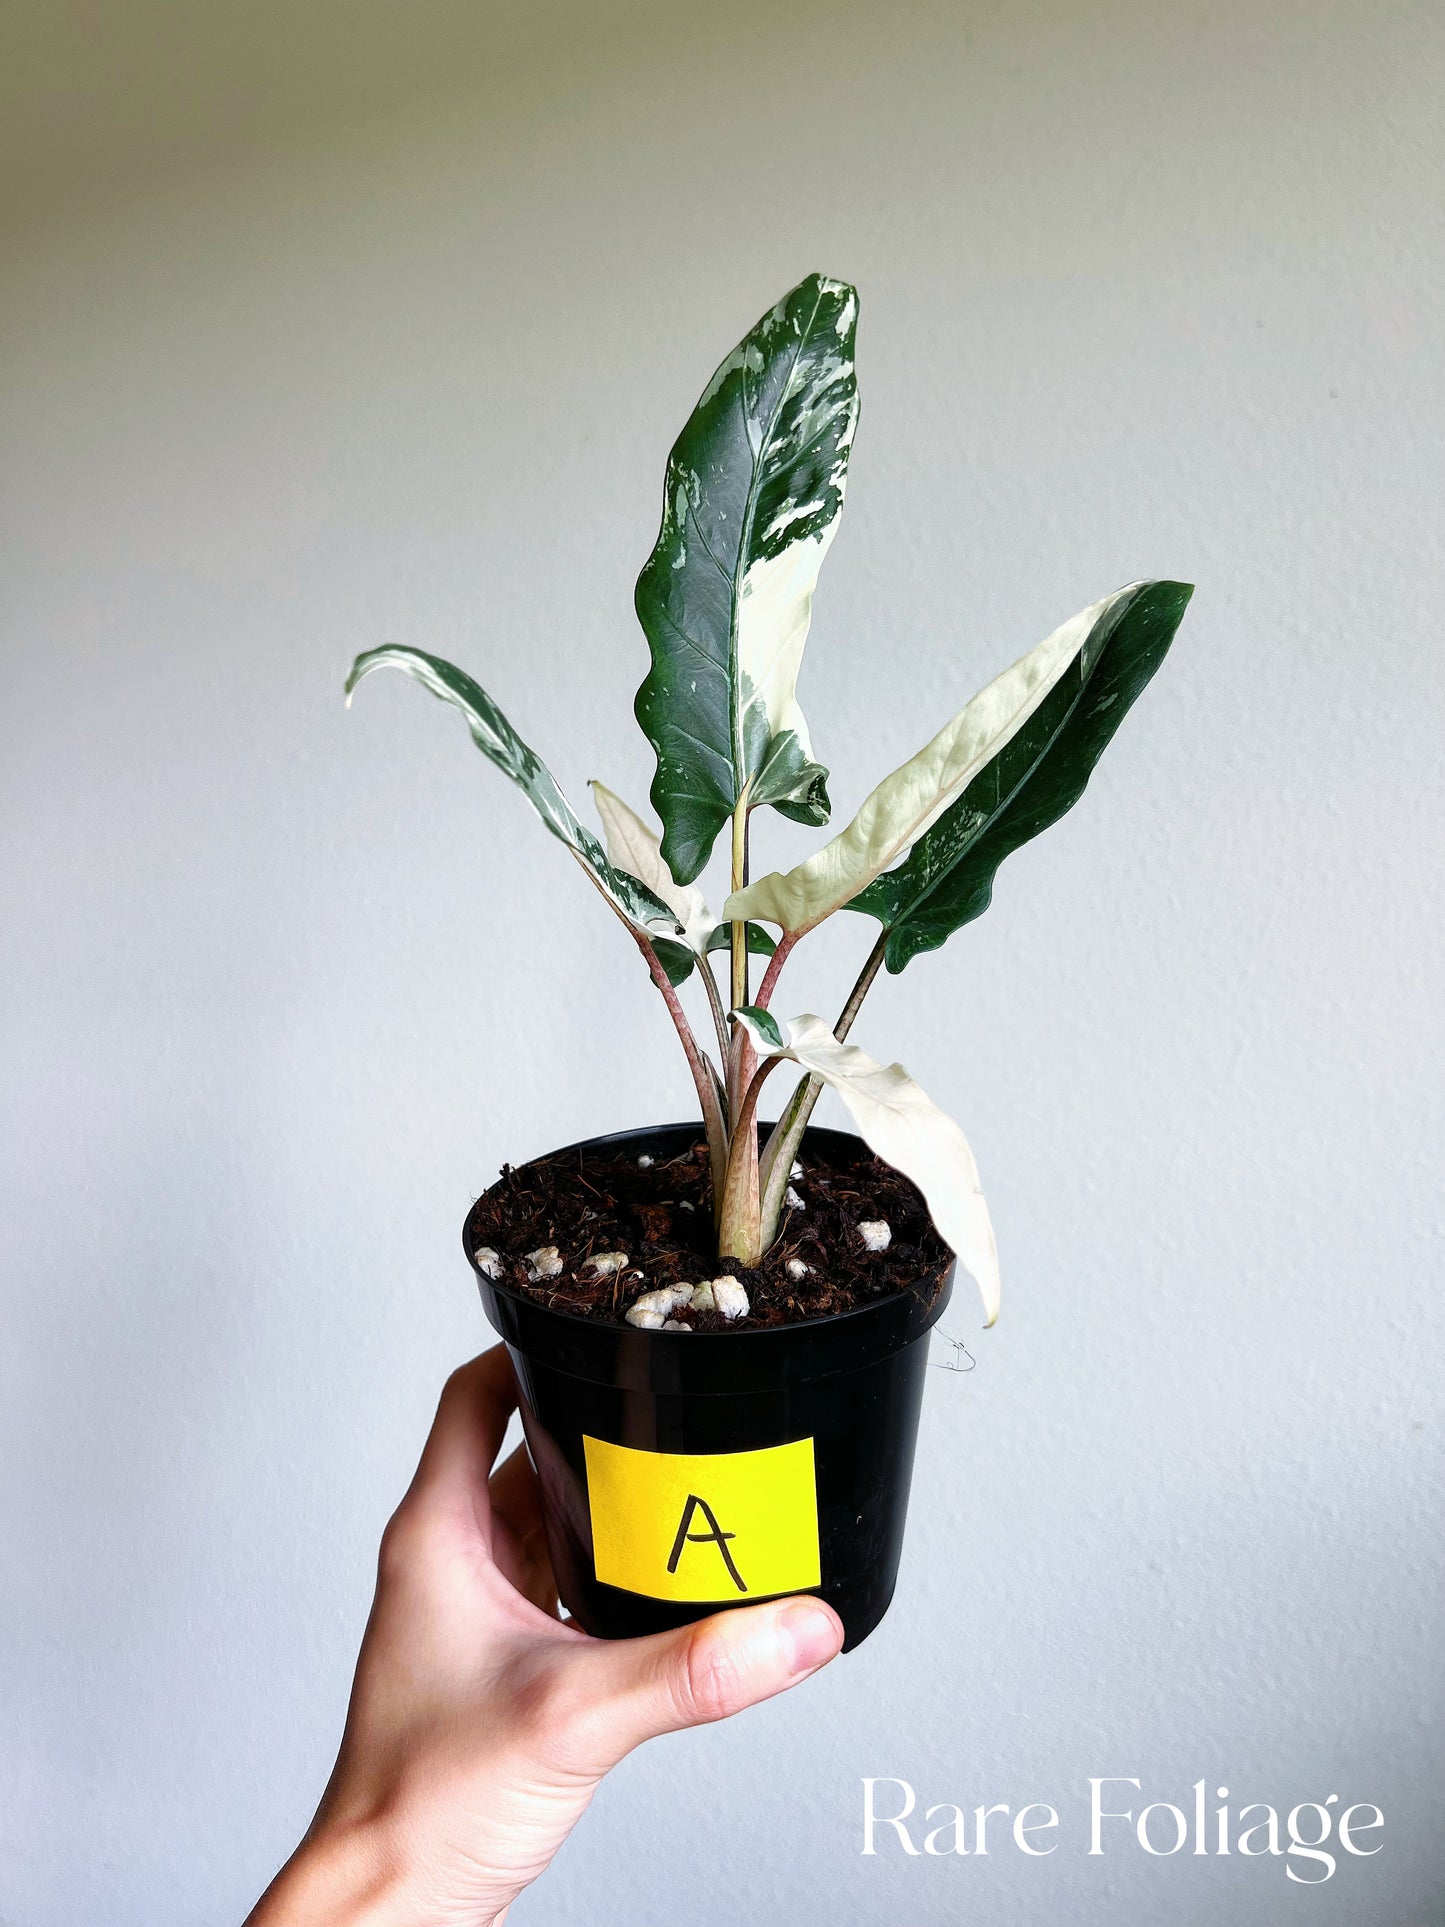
(640, 1688)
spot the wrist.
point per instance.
(340, 1876)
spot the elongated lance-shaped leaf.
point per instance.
(904, 1126)
(909, 802)
(752, 498)
(947, 879)
(495, 737)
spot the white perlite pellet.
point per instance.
(664, 1301)
(675, 1325)
(702, 1298)
(875, 1233)
(604, 1263)
(796, 1268)
(729, 1298)
(544, 1262)
(794, 1200)
(796, 1172)
(646, 1321)
(645, 1163)
(488, 1261)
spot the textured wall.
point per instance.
(1145, 290)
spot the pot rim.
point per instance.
(834, 1320)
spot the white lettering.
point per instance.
(1096, 1813)
(1367, 1826)
(1310, 1849)
(1269, 1826)
(1023, 1825)
(980, 1826)
(1181, 1828)
(953, 1826)
(872, 1818)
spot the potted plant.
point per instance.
(720, 1335)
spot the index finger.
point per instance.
(466, 1435)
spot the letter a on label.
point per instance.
(703, 1526)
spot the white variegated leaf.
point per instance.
(500, 743)
(905, 1127)
(910, 801)
(754, 489)
(947, 878)
(633, 847)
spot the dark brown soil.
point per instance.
(660, 1214)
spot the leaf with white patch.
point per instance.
(909, 802)
(904, 1126)
(633, 847)
(500, 743)
(947, 878)
(751, 502)
(763, 1028)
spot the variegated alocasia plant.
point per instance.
(753, 494)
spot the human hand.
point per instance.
(480, 1724)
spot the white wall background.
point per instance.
(1145, 290)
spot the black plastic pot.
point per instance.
(683, 1472)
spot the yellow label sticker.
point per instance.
(703, 1525)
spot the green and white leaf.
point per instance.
(634, 847)
(751, 502)
(947, 879)
(677, 959)
(909, 802)
(763, 1028)
(905, 1127)
(500, 743)
(760, 944)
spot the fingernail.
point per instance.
(809, 1634)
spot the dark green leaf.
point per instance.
(759, 942)
(677, 959)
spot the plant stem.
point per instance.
(739, 882)
(860, 989)
(739, 1225)
(776, 1164)
(740, 1062)
(703, 1075)
(774, 969)
(715, 1005)
(782, 1146)
(740, 1053)
(708, 1084)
